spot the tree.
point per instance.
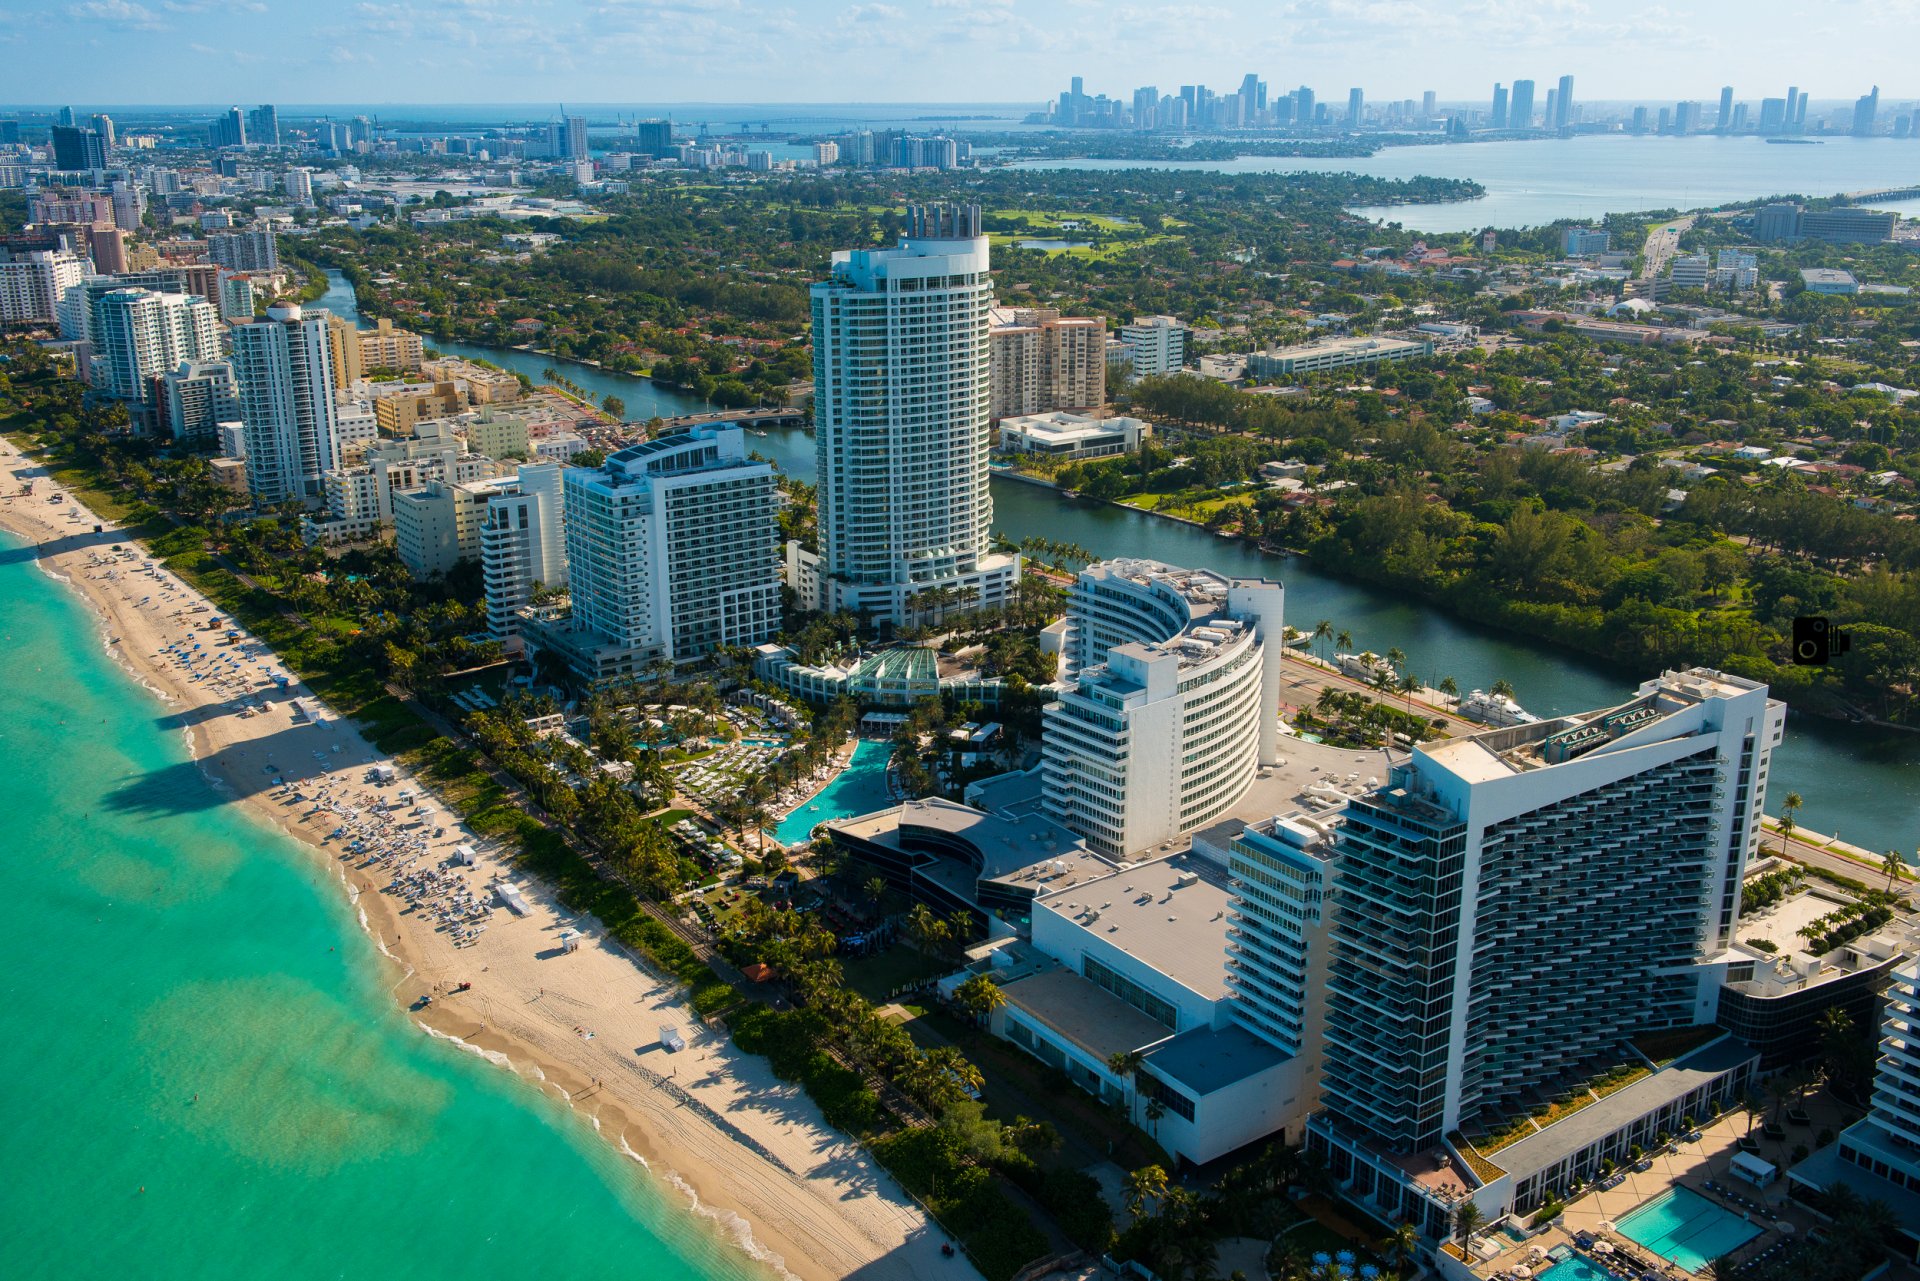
(1322, 632)
(1503, 688)
(1154, 1110)
(875, 889)
(979, 997)
(614, 405)
(1787, 809)
(1894, 866)
(1466, 1217)
(1408, 684)
(1397, 1246)
(1344, 641)
(1148, 1183)
(1449, 687)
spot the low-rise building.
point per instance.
(1333, 353)
(1070, 436)
(437, 527)
(1829, 280)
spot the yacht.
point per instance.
(1494, 709)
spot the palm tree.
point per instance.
(1155, 1109)
(1396, 657)
(1449, 687)
(1148, 1183)
(1466, 1217)
(1787, 809)
(1397, 1246)
(876, 889)
(1408, 684)
(1894, 866)
(979, 997)
(1343, 642)
(1503, 688)
(1322, 632)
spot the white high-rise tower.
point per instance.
(283, 371)
(901, 401)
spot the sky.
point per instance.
(156, 52)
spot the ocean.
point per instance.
(208, 1075)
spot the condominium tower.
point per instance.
(283, 371)
(1042, 361)
(1492, 869)
(671, 554)
(143, 333)
(901, 372)
(522, 543)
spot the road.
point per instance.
(1663, 242)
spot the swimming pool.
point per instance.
(1578, 1268)
(1685, 1227)
(861, 788)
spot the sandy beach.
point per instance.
(582, 1022)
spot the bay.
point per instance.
(1531, 183)
(1858, 783)
(207, 1073)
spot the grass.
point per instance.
(875, 976)
(1664, 1047)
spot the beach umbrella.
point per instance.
(1345, 1256)
(1321, 1259)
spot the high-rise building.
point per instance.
(1775, 113)
(195, 397)
(1686, 117)
(1799, 122)
(1172, 705)
(523, 544)
(1356, 107)
(1724, 121)
(283, 369)
(1303, 107)
(385, 347)
(1639, 124)
(76, 149)
(902, 391)
(140, 334)
(1866, 110)
(576, 138)
(1146, 108)
(298, 184)
(1499, 106)
(103, 125)
(1689, 271)
(1563, 107)
(228, 129)
(35, 282)
(1848, 226)
(1579, 241)
(671, 553)
(1428, 102)
(1489, 868)
(1042, 361)
(129, 205)
(1520, 105)
(438, 525)
(66, 117)
(263, 126)
(249, 249)
(343, 345)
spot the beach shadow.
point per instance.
(80, 540)
(182, 788)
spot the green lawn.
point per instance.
(875, 976)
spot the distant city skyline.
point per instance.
(169, 52)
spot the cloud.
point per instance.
(121, 13)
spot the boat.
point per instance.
(1795, 142)
(1365, 666)
(1494, 709)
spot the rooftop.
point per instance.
(1086, 1014)
(1170, 914)
(1597, 1120)
(1208, 1059)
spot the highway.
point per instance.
(1663, 242)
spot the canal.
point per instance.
(1858, 784)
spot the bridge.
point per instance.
(752, 419)
(1885, 193)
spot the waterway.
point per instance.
(1536, 182)
(1861, 785)
(209, 1076)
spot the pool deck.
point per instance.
(1688, 1165)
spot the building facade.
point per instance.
(141, 335)
(283, 371)
(901, 407)
(1172, 707)
(1155, 345)
(34, 282)
(195, 398)
(523, 545)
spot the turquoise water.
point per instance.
(1685, 1227)
(1578, 1268)
(160, 946)
(861, 788)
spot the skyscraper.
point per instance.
(75, 148)
(1146, 108)
(1356, 107)
(576, 137)
(283, 372)
(1563, 111)
(103, 125)
(1492, 869)
(1866, 110)
(1427, 103)
(1303, 106)
(901, 372)
(228, 129)
(1724, 122)
(1499, 106)
(1551, 111)
(1520, 105)
(251, 249)
(263, 126)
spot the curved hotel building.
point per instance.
(1172, 707)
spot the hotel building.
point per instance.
(901, 405)
(140, 335)
(1172, 707)
(523, 543)
(671, 553)
(1487, 870)
(283, 369)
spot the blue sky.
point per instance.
(583, 51)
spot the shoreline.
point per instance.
(789, 1192)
